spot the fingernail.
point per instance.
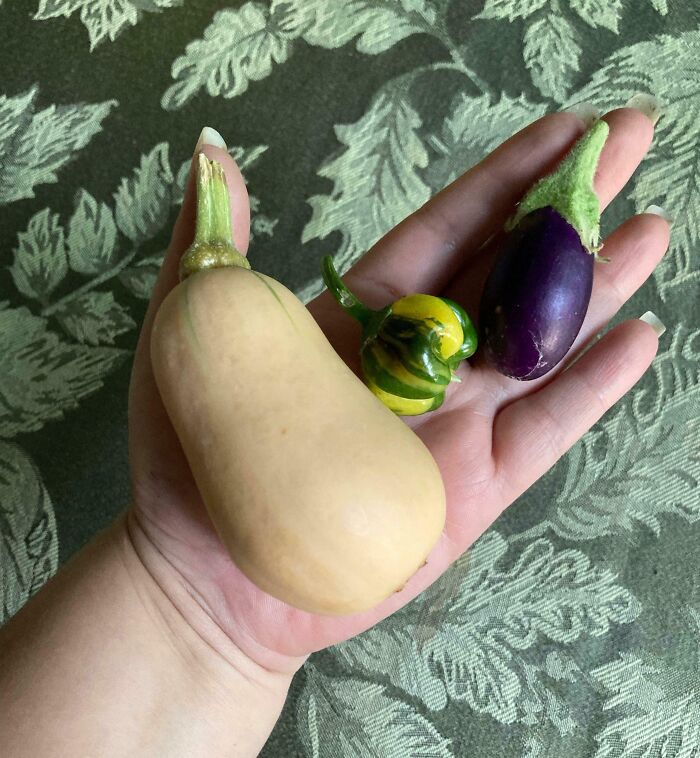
(647, 104)
(209, 136)
(657, 210)
(654, 322)
(587, 112)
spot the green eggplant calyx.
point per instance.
(213, 245)
(569, 189)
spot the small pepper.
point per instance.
(411, 348)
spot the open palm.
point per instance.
(492, 438)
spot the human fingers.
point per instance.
(533, 432)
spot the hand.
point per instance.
(492, 438)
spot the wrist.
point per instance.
(239, 698)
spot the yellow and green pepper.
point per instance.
(411, 348)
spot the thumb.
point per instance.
(155, 446)
(213, 146)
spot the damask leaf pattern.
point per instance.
(604, 13)
(28, 539)
(375, 178)
(480, 651)
(511, 9)
(392, 650)
(41, 376)
(654, 705)
(35, 145)
(473, 127)
(143, 201)
(521, 644)
(353, 718)
(94, 318)
(617, 488)
(636, 466)
(242, 45)
(541, 702)
(377, 24)
(92, 236)
(102, 18)
(666, 66)
(550, 594)
(661, 6)
(140, 278)
(552, 54)
(40, 257)
(239, 46)
(676, 373)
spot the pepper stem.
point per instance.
(342, 294)
(569, 190)
(213, 239)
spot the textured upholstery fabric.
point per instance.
(573, 626)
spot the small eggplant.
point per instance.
(536, 296)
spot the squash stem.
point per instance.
(213, 240)
(346, 299)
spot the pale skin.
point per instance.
(151, 641)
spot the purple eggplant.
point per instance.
(536, 296)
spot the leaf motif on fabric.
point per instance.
(143, 201)
(140, 278)
(392, 650)
(377, 24)
(597, 13)
(95, 318)
(41, 376)
(510, 9)
(28, 537)
(541, 703)
(102, 18)
(666, 66)
(552, 54)
(473, 128)
(653, 704)
(376, 183)
(556, 595)
(626, 473)
(262, 226)
(660, 6)
(35, 145)
(480, 651)
(353, 718)
(676, 373)
(40, 257)
(239, 46)
(92, 236)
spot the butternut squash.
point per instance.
(321, 495)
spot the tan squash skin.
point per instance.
(322, 496)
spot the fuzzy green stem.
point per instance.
(342, 294)
(213, 245)
(569, 190)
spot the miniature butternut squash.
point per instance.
(322, 496)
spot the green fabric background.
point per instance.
(574, 627)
